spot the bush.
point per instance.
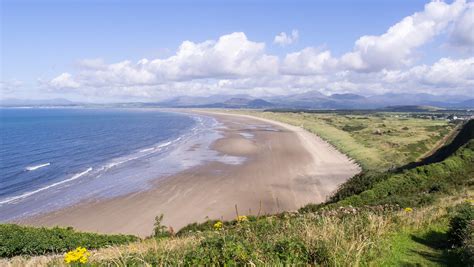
(460, 223)
(413, 187)
(160, 230)
(22, 240)
(461, 232)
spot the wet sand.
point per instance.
(285, 168)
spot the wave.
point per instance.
(147, 149)
(151, 150)
(27, 194)
(35, 167)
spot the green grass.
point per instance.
(376, 141)
(23, 240)
(425, 247)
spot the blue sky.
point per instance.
(41, 40)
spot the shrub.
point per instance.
(460, 223)
(461, 232)
(353, 128)
(412, 187)
(23, 240)
(160, 230)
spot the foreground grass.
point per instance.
(420, 247)
(376, 141)
(23, 240)
(377, 236)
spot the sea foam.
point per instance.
(35, 167)
(27, 194)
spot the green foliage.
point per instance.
(353, 128)
(410, 188)
(22, 240)
(160, 230)
(461, 232)
(284, 239)
(208, 225)
(376, 141)
(358, 184)
(463, 216)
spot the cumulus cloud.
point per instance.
(232, 55)
(308, 61)
(395, 47)
(284, 39)
(64, 80)
(445, 73)
(463, 31)
(235, 64)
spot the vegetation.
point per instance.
(461, 231)
(377, 141)
(23, 240)
(381, 235)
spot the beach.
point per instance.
(285, 168)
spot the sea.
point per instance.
(51, 158)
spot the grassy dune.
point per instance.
(376, 141)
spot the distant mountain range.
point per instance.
(317, 100)
(308, 100)
(13, 102)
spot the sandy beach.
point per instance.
(285, 168)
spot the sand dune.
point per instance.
(285, 168)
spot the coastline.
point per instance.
(286, 167)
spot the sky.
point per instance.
(106, 51)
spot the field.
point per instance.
(376, 141)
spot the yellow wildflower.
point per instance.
(242, 218)
(470, 201)
(80, 255)
(218, 225)
(408, 209)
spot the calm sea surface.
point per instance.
(52, 158)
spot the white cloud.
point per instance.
(463, 31)
(308, 61)
(284, 39)
(395, 47)
(232, 55)
(235, 64)
(64, 80)
(446, 73)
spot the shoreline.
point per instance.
(286, 167)
(118, 175)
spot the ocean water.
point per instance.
(53, 158)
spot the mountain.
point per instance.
(316, 100)
(421, 99)
(189, 101)
(308, 100)
(13, 102)
(351, 97)
(217, 101)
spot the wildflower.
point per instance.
(79, 255)
(470, 201)
(408, 209)
(242, 218)
(218, 225)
